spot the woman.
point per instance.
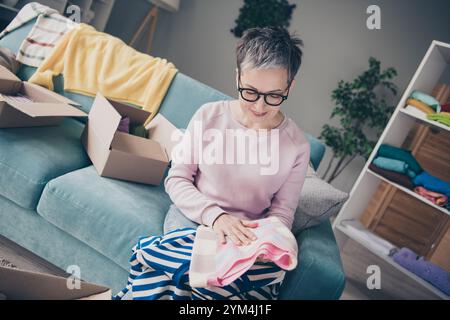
(226, 195)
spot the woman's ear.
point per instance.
(293, 83)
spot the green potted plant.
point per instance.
(263, 13)
(361, 106)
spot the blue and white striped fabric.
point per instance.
(160, 271)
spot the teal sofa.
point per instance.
(53, 202)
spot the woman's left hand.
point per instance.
(235, 229)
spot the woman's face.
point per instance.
(263, 81)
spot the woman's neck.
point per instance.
(240, 117)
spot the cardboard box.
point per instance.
(46, 108)
(26, 285)
(121, 155)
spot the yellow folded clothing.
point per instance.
(420, 105)
(93, 61)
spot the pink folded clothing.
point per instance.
(217, 264)
(435, 197)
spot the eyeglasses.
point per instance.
(252, 95)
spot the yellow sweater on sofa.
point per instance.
(93, 61)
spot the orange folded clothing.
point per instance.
(420, 105)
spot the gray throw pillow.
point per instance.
(319, 201)
(175, 219)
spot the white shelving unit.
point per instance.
(428, 74)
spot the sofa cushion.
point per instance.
(320, 273)
(319, 201)
(107, 214)
(30, 157)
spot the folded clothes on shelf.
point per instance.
(401, 179)
(394, 165)
(442, 117)
(426, 270)
(432, 183)
(435, 197)
(445, 107)
(427, 99)
(415, 111)
(388, 151)
(420, 105)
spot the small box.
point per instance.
(18, 284)
(37, 106)
(123, 156)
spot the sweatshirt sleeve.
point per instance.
(179, 183)
(285, 201)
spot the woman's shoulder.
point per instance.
(296, 135)
(211, 110)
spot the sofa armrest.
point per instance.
(319, 274)
(317, 150)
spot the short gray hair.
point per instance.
(267, 48)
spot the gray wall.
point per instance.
(197, 39)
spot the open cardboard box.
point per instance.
(123, 156)
(26, 285)
(46, 107)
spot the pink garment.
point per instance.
(435, 197)
(203, 190)
(217, 264)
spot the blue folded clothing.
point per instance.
(426, 270)
(391, 152)
(427, 99)
(394, 165)
(432, 183)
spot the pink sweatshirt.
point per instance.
(219, 174)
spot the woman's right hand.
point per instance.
(235, 229)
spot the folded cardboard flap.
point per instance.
(33, 90)
(8, 86)
(26, 285)
(96, 149)
(103, 120)
(8, 74)
(135, 114)
(42, 109)
(165, 133)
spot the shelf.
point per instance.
(362, 241)
(424, 119)
(410, 192)
(428, 74)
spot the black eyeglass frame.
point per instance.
(259, 94)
